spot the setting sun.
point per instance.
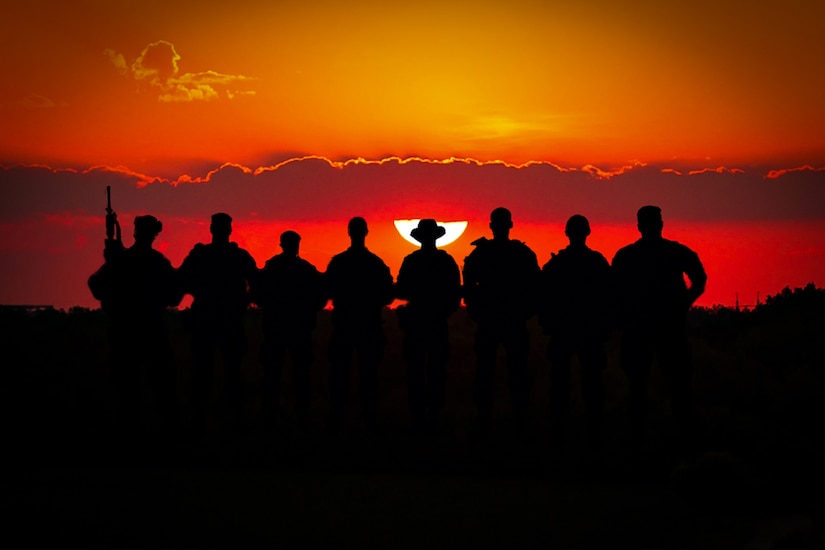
(453, 230)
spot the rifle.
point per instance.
(113, 243)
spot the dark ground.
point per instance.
(755, 482)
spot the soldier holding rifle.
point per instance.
(135, 285)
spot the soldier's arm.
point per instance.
(173, 286)
(455, 275)
(98, 282)
(188, 268)
(532, 282)
(318, 289)
(402, 290)
(388, 294)
(251, 273)
(695, 272)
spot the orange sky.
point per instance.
(712, 109)
(159, 86)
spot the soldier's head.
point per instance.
(357, 229)
(221, 226)
(577, 228)
(427, 232)
(290, 242)
(501, 221)
(147, 228)
(649, 221)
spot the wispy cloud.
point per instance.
(157, 66)
(774, 174)
(34, 101)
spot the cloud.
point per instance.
(36, 101)
(157, 67)
(321, 189)
(775, 174)
(117, 60)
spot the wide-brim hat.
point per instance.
(428, 229)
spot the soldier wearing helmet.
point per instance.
(574, 312)
(135, 287)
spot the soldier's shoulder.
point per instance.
(596, 256)
(525, 253)
(199, 249)
(375, 258)
(676, 245)
(159, 258)
(446, 257)
(627, 249)
(554, 260)
(521, 246)
(307, 266)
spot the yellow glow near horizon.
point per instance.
(453, 230)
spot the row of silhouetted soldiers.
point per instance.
(580, 299)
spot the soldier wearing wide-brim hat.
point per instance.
(427, 230)
(430, 281)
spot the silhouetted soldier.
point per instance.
(653, 301)
(575, 314)
(218, 276)
(360, 285)
(289, 289)
(135, 286)
(430, 281)
(500, 292)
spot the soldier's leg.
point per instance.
(675, 360)
(234, 350)
(439, 355)
(125, 373)
(202, 356)
(162, 373)
(370, 353)
(517, 346)
(593, 360)
(300, 346)
(272, 359)
(340, 358)
(415, 356)
(559, 354)
(636, 357)
(486, 347)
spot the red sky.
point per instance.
(712, 110)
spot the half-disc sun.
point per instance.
(453, 231)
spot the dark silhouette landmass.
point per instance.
(758, 383)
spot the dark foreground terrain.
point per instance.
(755, 481)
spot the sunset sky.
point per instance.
(300, 115)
